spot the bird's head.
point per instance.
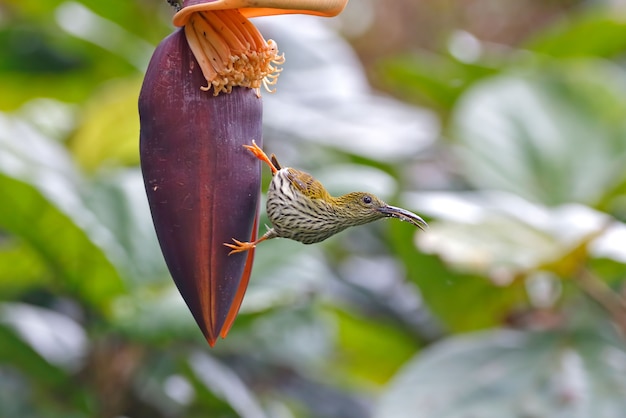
(360, 208)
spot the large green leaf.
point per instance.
(512, 374)
(44, 208)
(20, 267)
(38, 350)
(502, 236)
(57, 338)
(62, 49)
(463, 300)
(155, 315)
(223, 383)
(427, 77)
(387, 348)
(554, 135)
(22, 356)
(107, 134)
(117, 198)
(596, 33)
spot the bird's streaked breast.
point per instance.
(297, 216)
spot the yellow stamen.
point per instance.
(219, 21)
(231, 51)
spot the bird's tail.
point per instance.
(275, 162)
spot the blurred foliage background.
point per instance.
(502, 122)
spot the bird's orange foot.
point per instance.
(258, 152)
(239, 247)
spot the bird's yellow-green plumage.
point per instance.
(300, 208)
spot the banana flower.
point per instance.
(199, 104)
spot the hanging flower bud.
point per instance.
(199, 104)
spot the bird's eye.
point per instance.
(367, 199)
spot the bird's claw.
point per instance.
(261, 155)
(255, 149)
(239, 246)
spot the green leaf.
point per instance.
(501, 236)
(59, 339)
(20, 267)
(462, 300)
(298, 338)
(387, 349)
(118, 199)
(435, 79)
(45, 52)
(553, 136)
(22, 356)
(226, 385)
(155, 316)
(512, 374)
(45, 210)
(108, 132)
(597, 33)
(279, 281)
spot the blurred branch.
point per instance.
(606, 297)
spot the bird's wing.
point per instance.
(305, 183)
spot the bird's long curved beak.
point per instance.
(404, 215)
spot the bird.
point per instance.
(301, 209)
